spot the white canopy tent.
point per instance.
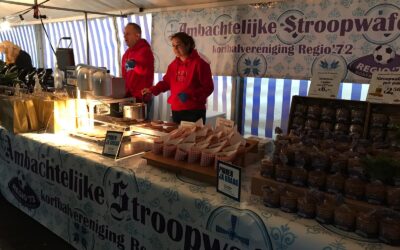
(61, 10)
(263, 105)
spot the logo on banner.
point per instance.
(252, 65)
(239, 226)
(382, 59)
(287, 34)
(171, 28)
(119, 185)
(330, 62)
(388, 13)
(22, 192)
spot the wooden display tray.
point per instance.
(258, 181)
(195, 171)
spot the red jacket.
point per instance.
(192, 77)
(138, 68)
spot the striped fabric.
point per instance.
(266, 102)
(24, 37)
(102, 51)
(220, 99)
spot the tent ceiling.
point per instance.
(11, 11)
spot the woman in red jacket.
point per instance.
(188, 78)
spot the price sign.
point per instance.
(325, 84)
(229, 180)
(384, 88)
(112, 143)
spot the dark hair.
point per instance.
(185, 39)
(136, 27)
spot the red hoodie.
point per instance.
(192, 77)
(138, 68)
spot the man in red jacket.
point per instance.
(137, 64)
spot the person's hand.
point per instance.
(183, 97)
(146, 91)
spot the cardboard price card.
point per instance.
(325, 84)
(112, 143)
(229, 180)
(384, 88)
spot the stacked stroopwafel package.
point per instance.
(199, 144)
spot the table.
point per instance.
(94, 202)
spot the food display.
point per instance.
(342, 161)
(200, 145)
(195, 150)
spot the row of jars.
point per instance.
(352, 187)
(371, 224)
(354, 115)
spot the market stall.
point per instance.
(94, 202)
(82, 160)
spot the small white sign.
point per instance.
(325, 84)
(229, 180)
(112, 143)
(384, 87)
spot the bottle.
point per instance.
(37, 88)
(17, 90)
(108, 88)
(58, 78)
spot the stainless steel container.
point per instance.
(90, 78)
(135, 111)
(100, 86)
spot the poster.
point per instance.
(288, 39)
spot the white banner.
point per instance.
(288, 39)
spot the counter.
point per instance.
(94, 202)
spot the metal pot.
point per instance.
(135, 111)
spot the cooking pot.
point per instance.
(135, 111)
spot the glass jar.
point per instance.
(345, 218)
(367, 225)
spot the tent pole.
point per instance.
(87, 38)
(238, 103)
